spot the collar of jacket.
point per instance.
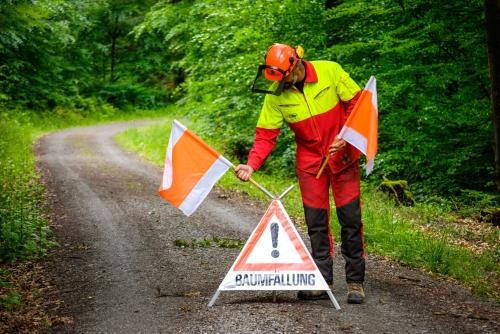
(310, 72)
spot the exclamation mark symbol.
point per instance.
(274, 236)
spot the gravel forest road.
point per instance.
(118, 269)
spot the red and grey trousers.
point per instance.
(316, 200)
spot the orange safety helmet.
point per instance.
(280, 60)
(283, 57)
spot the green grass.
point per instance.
(23, 229)
(390, 231)
(395, 232)
(209, 242)
(10, 300)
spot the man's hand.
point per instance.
(338, 144)
(243, 172)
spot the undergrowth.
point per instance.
(23, 229)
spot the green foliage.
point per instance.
(210, 242)
(29, 40)
(399, 190)
(9, 297)
(429, 58)
(431, 63)
(86, 60)
(54, 52)
(125, 71)
(23, 229)
(395, 232)
(217, 44)
(10, 300)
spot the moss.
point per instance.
(399, 190)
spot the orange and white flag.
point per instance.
(361, 128)
(191, 169)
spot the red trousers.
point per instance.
(315, 193)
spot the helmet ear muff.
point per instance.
(299, 50)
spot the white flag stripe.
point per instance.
(167, 170)
(179, 125)
(175, 134)
(371, 86)
(204, 185)
(369, 166)
(354, 138)
(225, 161)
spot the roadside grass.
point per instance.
(402, 233)
(24, 227)
(209, 242)
(10, 298)
(418, 236)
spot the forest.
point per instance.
(107, 56)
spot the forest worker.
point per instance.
(314, 98)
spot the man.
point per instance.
(315, 98)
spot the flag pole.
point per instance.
(325, 162)
(264, 190)
(323, 165)
(255, 183)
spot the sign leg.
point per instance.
(334, 301)
(214, 298)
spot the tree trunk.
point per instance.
(492, 11)
(332, 3)
(401, 4)
(114, 37)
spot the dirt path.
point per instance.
(119, 271)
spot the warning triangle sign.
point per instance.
(274, 258)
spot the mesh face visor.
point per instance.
(269, 80)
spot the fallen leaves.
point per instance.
(28, 300)
(468, 233)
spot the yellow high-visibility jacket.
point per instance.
(316, 116)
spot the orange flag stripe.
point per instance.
(191, 158)
(366, 122)
(190, 162)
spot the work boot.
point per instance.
(355, 293)
(313, 294)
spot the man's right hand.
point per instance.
(243, 172)
(338, 144)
